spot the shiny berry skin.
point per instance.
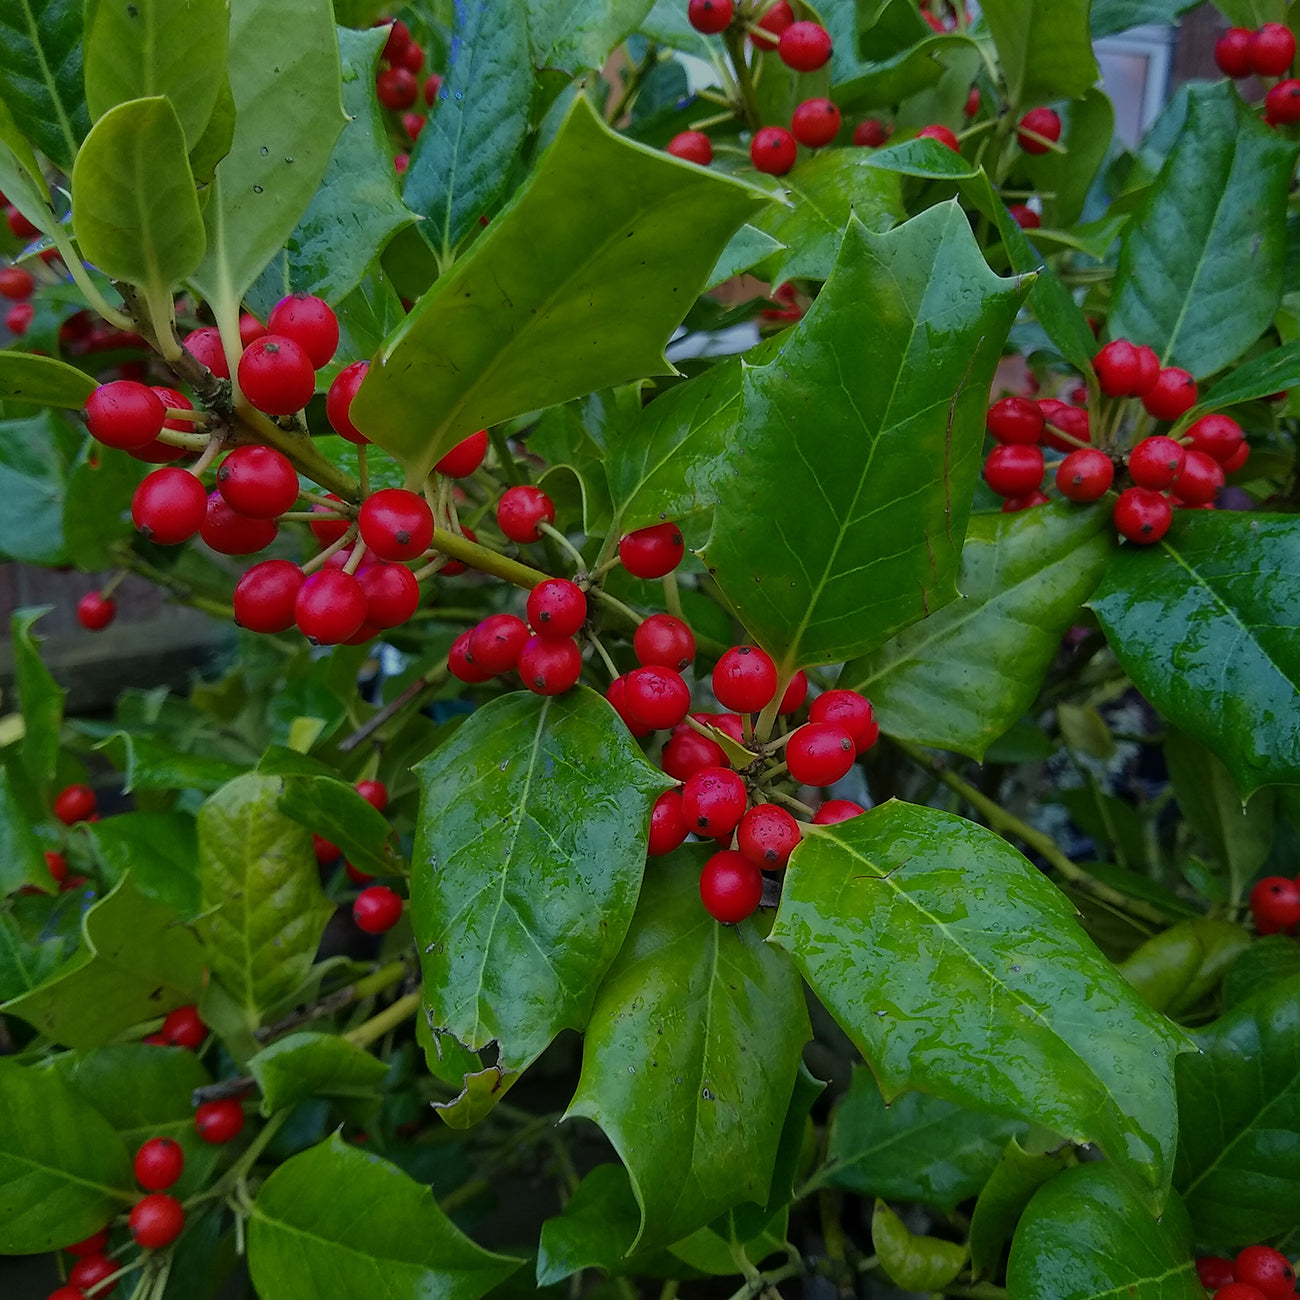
(849, 710)
(396, 524)
(158, 1164)
(1085, 475)
(713, 802)
(871, 133)
(1217, 436)
(686, 752)
(936, 131)
(1275, 905)
(804, 46)
(1025, 217)
(691, 146)
(1012, 469)
(1142, 515)
(1173, 393)
(1118, 370)
(310, 322)
(459, 664)
(92, 1245)
(327, 531)
(432, 85)
(74, 803)
(773, 23)
(67, 1293)
(1039, 121)
(819, 753)
(399, 38)
(392, 593)
(228, 532)
(264, 597)
(16, 282)
(19, 317)
(1016, 420)
(1282, 103)
(1214, 1271)
(767, 835)
(816, 122)
(615, 694)
(1148, 370)
(124, 414)
(1066, 418)
(1237, 459)
(465, 457)
(330, 607)
(412, 58)
(834, 811)
(156, 1220)
(1262, 1267)
(377, 909)
(972, 106)
(91, 1270)
(338, 401)
(744, 679)
(258, 481)
(656, 697)
(494, 645)
(276, 375)
(375, 793)
(710, 16)
(57, 865)
(795, 693)
(250, 328)
(731, 887)
(520, 511)
(667, 826)
(1232, 52)
(1200, 480)
(204, 345)
(220, 1121)
(96, 612)
(183, 1028)
(397, 88)
(1239, 1291)
(773, 150)
(652, 552)
(1156, 462)
(556, 608)
(1271, 51)
(549, 665)
(664, 640)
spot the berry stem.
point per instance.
(550, 530)
(434, 677)
(632, 85)
(735, 43)
(672, 596)
(389, 1018)
(376, 982)
(615, 604)
(479, 557)
(1066, 437)
(318, 560)
(610, 667)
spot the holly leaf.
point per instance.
(848, 519)
(1200, 281)
(333, 1222)
(1008, 1190)
(914, 1263)
(97, 506)
(1269, 960)
(1259, 377)
(335, 811)
(22, 860)
(505, 332)
(1087, 125)
(1110, 17)
(40, 699)
(25, 377)
(901, 74)
(1024, 578)
(1013, 1012)
(573, 36)
(1202, 624)
(1044, 47)
(147, 763)
(35, 455)
(1086, 1234)
(304, 1065)
(519, 905)
(161, 851)
(693, 1045)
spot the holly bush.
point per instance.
(431, 945)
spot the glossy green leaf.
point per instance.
(147, 763)
(18, 164)
(914, 1263)
(1011, 1185)
(916, 1148)
(505, 332)
(1198, 280)
(306, 1065)
(137, 49)
(334, 1222)
(161, 851)
(64, 1173)
(1087, 125)
(1176, 968)
(843, 518)
(1110, 17)
(1239, 1117)
(1202, 622)
(693, 1045)
(519, 906)
(137, 963)
(902, 74)
(21, 858)
(26, 377)
(1023, 578)
(29, 953)
(1271, 959)
(264, 910)
(1044, 47)
(463, 156)
(97, 506)
(563, 440)
(281, 145)
(1259, 377)
(667, 24)
(41, 75)
(34, 460)
(574, 36)
(1086, 1236)
(334, 810)
(958, 969)
(40, 698)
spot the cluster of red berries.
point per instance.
(1257, 1273)
(376, 909)
(397, 82)
(1268, 51)
(18, 285)
(1275, 905)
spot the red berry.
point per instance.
(1016, 420)
(767, 835)
(375, 793)
(413, 124)
(1239, 1291)
(1142, 515)
(204, 345)
(124, 414)
(57, 865)
(1214, 1271)
(392, 593)
(1066, 418)
(1237, 459)
(615, 693)
(264, 597)
(1264, 1268)
(1038, 122)
(1232, 52)
(377, 909)
(1026, 218)
(1156, 462)
(356, 875)
(972, 102)
(849, 710)
(667, 826)
(74, 803)
(1217, 436)
(744, 679)
(19, 226)
(95, 612)
(92, 1245)
(397, 88)
(1173, 393)
(773, 23)
(338, 401)
(816, 122)
(157, 1220)
(328, 531)
(461, 666)
(169, 505)
(158, 1164)
(710, 16)
(250, 328)
(665, 640)
(1119, 371)
(819, 753)
(1281, 104)
(1148, 370)
(330, 607)
(276, 375)
(520, 511)
(230, 533)
(773, 150)
(834, 811)
(796, 691)
(652, 552)
(219, 1121)
(16, 282)
(91, 1270)
(399, 37)
(1271, 51)
(310, 322)
(465, 457)
(804, 46)
(731, 887)
(936, 131)
(1275, 904)
(550, 665)
(687, 752)
(1085, 475)
(183, 1028)
(556, 608)
(1200, 480)
(656, 697)
(692, 146)
(432, 85)
(1013, 469)
(713, 802)
(494, 645)
(258, 482)
(396, 524)
(871, 133)
(412, 58)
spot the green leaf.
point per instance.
(1110, 17)
(1023, 578)
(519, 905)
(97, 507)
(573, 36)
(1202, 624)
(1174, 969)
(693, 1045)
(264, 910)
(29, 953)
(281, 145)
(336, 812)
(40, 698)
(1200, 280)
(1270, 960)
(137, 49)
(22, 860)
(1012, 1010)
(1011, 1185)
(914, 1263)
(505, 332)
(161, 851)
(1239, 1114)
(26, 377)
(333, 1222)
(41, 75)
(916, 1148)
(138, 962)
(306, 1065)
(1044, 47)
(1086, 1236)
(903, 74)
(853, 500)
(150, 764)
(1087, 126)
(64, 1173)
(34, 457)
(18, 165)
(1259, 377)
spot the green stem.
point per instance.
(479, 557)
(550, 530)
(615, 604)
(378, 1025)
(367, 987)
(673, 596)
(735, 43)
